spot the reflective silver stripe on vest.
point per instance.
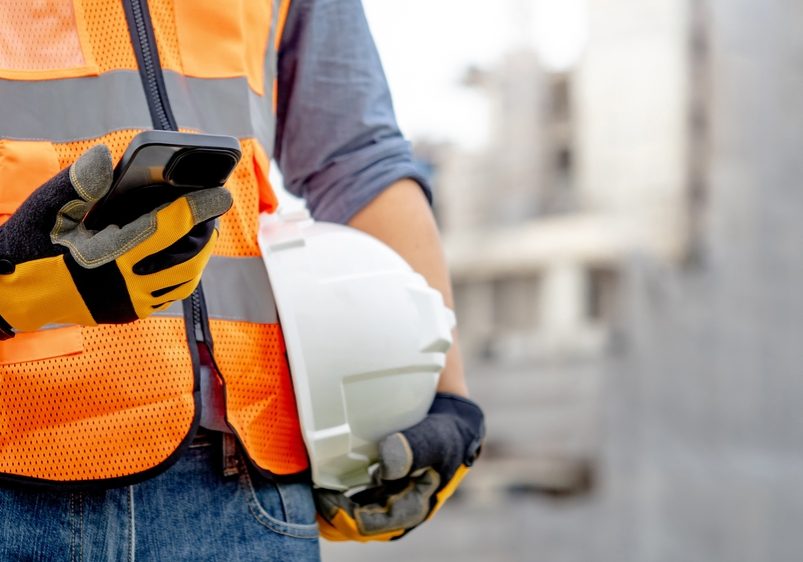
(224, 106)
(235, 289)
(86, 108)
(73, 108)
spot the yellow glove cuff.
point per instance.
(344, 528)
(42, 292)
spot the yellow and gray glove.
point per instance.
(55, 270)
(420, 468)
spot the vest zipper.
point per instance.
(150, 70)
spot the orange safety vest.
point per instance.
(114, 404)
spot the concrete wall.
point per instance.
(707, 447)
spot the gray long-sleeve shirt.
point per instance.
(337, 142)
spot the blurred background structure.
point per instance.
(626, 247)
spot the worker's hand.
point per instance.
(55, 270)
(420, 468)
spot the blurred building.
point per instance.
(582, 169)
(706, 448)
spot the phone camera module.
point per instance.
(202, 167)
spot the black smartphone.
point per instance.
(160, 166)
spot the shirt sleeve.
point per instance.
(337, 141)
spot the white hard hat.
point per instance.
(366, 340)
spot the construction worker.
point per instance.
(175, 436)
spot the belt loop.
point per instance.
(231, 466)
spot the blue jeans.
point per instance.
(208, 506)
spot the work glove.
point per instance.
(419, 468)
(54, 270)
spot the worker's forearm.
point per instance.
(401, 217)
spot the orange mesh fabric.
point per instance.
(39, 36)
(164, 26)
(117, 141)
(67, 38)
(114, 410)
(223, 39)
(108, 35)
(259, 394)
(30, 164)
(239, 226)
